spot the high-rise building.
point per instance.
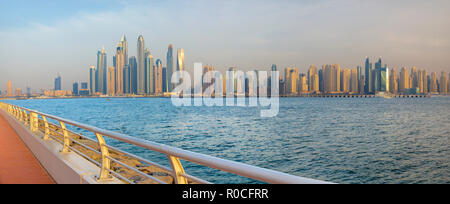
(302, 84)
(443, 83)
(92, 80)
(158, 77)
(140, 66)
(180, 60)
(425, 82)
(415, 77)
(119, 72)
(404, 80)
(101, 75)
(345, 80)
(124, 46)
(57, 83)
(133, 75)
(384, 79)
(315, 83)
(111, 81)
(433, 83)
(354, 82)
(327, 78)
(169, 69)
(368, 77)
(377, 76)
(9, 89)
(448, 84)
(149, 74)
(18, 92)
(359, 74)
(336, 78)
(393, 81)
(164, 79)
(75, 89)
(291, 79)
(311, 72)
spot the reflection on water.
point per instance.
(341, 140)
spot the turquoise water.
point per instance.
(343, 140)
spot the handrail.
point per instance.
(173, 153)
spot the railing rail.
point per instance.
(173, 154)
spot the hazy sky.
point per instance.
(43, 38)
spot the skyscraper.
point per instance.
(433, 83)
(368, 76)
(169, 69)
(111, 81)
(101, 75)
(345, 80)
(180, 60)
(384, 79)
(150, 74)
(443, 83)
(336, 78)
(124, 45)
(311, 72)
(133, 75)
(140, 66)
(92, 80)
(9, 89)
(158, 77)
(75, 89)
(425, 82)
(303, 84)
(291, 78)
(354, 82)
(404, 80)
(57, 83)
(393, 81)
(119, 70)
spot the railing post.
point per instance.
(21, 114)
(106, 163)
(26, 117)
(66, 137)
(177, 169)
(47, 128)
(33, 121)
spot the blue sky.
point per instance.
(43, 38)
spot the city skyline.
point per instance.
(318, 38)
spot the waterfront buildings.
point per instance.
(75, 88)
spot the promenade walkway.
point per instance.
(17, 163)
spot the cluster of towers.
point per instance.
(331, 79)
(135, 75)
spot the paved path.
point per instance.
(17, 163)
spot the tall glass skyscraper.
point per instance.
(169, 69)
(133, 75)
(92, 81)
(140, 66)
(101, 75)
(180, 60)
(124, 45)
(58, 83)
(368, 76)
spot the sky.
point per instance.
(41, 39)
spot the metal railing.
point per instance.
(32, 119)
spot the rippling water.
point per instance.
(343, 140)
